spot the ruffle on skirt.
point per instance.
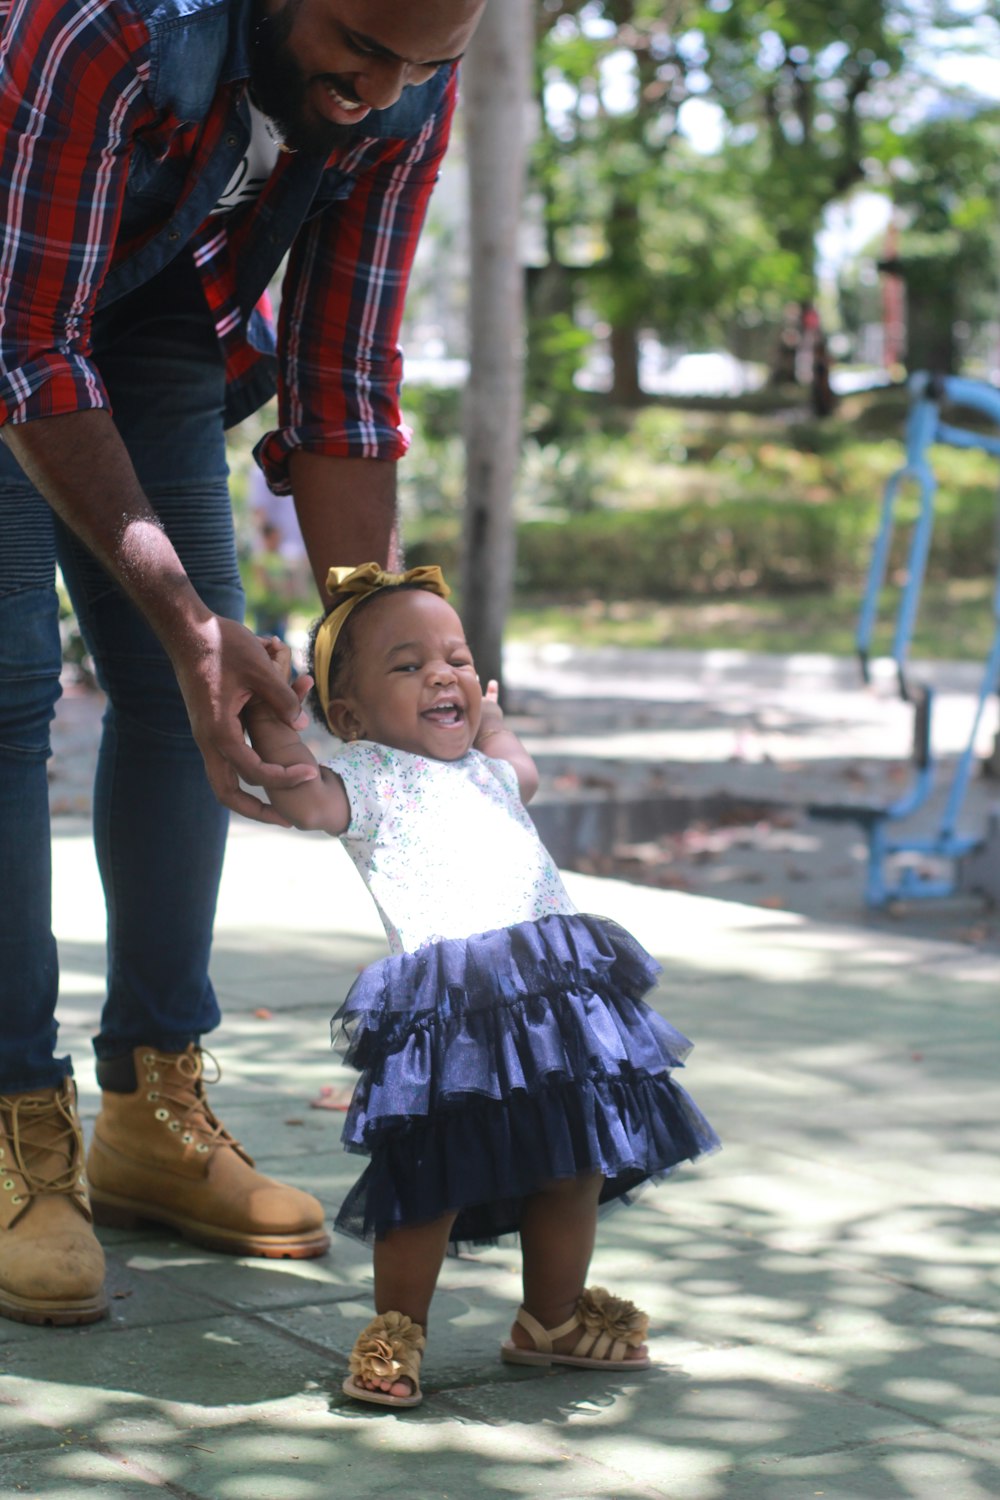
(495, 1063)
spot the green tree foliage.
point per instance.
(601, 157)
(671, 240)
(649, 234)
(796, 79)
(946, 185)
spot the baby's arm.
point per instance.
(496, 740)
(320, 804)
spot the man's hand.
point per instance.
(219, 674)
(80, 464)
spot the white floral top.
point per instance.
(446, 848)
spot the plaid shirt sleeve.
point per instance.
(72, 92)
(342, 306)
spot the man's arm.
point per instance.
(340, 365)
(79, 463)
(64, 155)
(347, 511)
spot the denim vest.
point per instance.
(194, 47)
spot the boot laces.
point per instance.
(43, 1132)
(180, 1086)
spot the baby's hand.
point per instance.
(491, 716)
(281, 659)
(280, 653)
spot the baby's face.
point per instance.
(413, 680)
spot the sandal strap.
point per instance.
(604, 1343)
(569, 1326)
(600, 1346)
(540, 1337)
(544, 1338)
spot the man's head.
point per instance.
(318, 67)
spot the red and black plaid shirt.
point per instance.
(73, 95)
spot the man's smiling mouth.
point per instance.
(349, 104)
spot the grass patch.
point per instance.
(956, 622)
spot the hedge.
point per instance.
(727, 547)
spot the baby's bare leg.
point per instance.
(407, 1264)
(558, 1228)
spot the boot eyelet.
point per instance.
(149, 1059)
(17, 1199)
(153, 1096)
(201, 1148)
(175, 1124)
(187, 1137)
(163, 1114)
(152, 1077)
(9, 1185)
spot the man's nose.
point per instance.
(382, 81)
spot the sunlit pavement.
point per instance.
(824, 1292)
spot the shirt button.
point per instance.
(173, 234)
(231, 140)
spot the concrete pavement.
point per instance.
(824, 1292)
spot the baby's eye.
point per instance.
(405, 666)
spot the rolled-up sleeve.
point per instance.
(340, 366)
(72, 94)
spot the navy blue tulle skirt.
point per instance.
(493, 1064)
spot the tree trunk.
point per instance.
(624, 270)
(623, 347)
(496, 78)
(930, 340)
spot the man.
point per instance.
(158, 160)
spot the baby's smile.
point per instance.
(449, 713)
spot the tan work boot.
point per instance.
(159, 1154)
(51, 1266)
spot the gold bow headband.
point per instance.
(360, 583)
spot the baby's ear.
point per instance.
(344, 721)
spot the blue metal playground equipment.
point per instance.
(958, 852)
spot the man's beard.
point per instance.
(278, 87)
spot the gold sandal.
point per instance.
(609, 1326)
(388, 1349)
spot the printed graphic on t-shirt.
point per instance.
(247, 182)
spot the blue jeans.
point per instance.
(159, 831)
